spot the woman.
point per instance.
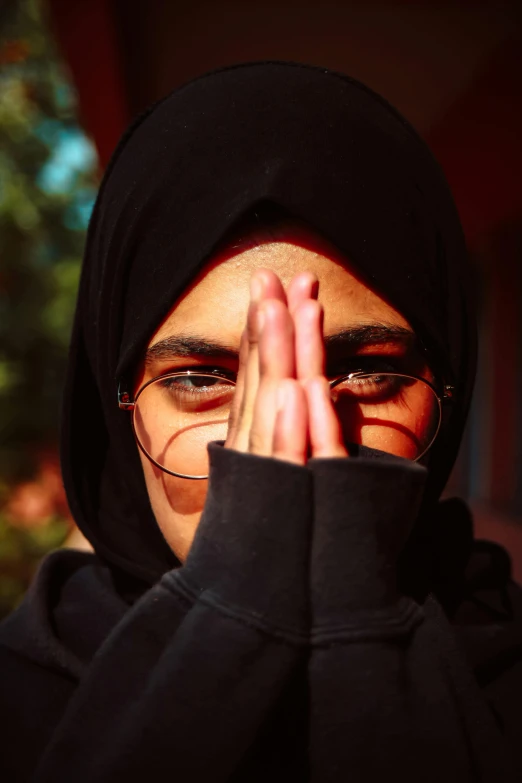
(310, 611)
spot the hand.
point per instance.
(282, 407)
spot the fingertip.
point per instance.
(270, 311)
(317, 387)
(272, 285)
(303, 286)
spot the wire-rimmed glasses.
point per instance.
(175, 416)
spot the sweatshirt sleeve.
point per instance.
(184, 683)
(390, 695)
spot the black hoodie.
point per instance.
(331, 622)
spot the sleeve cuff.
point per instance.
(251, 548)
(364, 510)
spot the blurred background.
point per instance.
(73, 73)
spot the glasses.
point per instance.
(176, 416)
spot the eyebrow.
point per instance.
(353, 337)
(372, 334)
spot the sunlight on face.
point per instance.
(213, 310)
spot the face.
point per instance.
(203, 330)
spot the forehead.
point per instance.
(217, 300)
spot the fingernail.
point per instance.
(256, 289)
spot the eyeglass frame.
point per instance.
(125, 402)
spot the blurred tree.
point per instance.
(48, 181)
(47, 188)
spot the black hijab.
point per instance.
(322, 147)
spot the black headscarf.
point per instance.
(323, 148)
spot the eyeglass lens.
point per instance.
(176, 416)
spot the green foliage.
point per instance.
(48, 181)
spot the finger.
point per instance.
(276, 341)
(276, 362)
(237, 402)
(309, 341)
(326, 438)
(303, 286)
(290, 441)
(249, 381)
(261, 434)
(264, 283)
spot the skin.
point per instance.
(272, 305)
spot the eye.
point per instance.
(190, 393)
(192, 383)
(195, 389)
(373, 388)
(376, 386)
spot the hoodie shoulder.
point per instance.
(39, 674)
(70, 592)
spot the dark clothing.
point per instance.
(280, 651)
(322, 148)
(302, 639)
